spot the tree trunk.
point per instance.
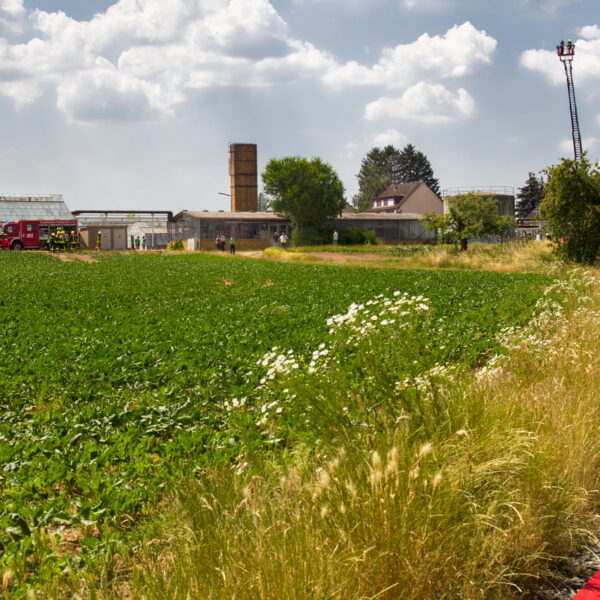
(463, 244)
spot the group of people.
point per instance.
(570, 48)
(281, 239)
(140, 242)
(59, 241)
(220, 242)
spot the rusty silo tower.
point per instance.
(244, 177)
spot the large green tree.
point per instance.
(381, 167)
(571, 209)
(377, 172)
(415, 166)
(468, 216)
(530, 196)
(309, 192)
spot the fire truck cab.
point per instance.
(19, 235)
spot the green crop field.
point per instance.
(116, 377)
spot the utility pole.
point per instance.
(566, 54)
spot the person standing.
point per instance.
(73, 241)
(336, 236)
(137, 242)
(143, 242)
(61, 240)
(231, 245)
(275, 239)
(99, 241)
(283, 240)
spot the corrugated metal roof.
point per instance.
(232, 216)
(269, 216)
(16, 208)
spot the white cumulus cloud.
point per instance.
(12, 14)
(105, 93)
(425, 102)
(590, 32)
(389, 137)
(455, 54)
(140, 59)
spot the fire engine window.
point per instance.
(10, 229)
(30, 227)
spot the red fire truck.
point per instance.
(18, 235)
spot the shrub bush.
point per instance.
(354, 236)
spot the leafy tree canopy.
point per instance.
(571, 209)
(309, 192)
(415, 166)
(382, 167)
(372, 182)
(530, 196)
(469, 215)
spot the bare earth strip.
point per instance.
(74, 257)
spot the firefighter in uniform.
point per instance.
(99, 241)
(61, 240)
(52, 242)
(73, 241)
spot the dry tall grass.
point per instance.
(530, 257)
(476, 510)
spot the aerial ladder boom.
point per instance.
(566, 53)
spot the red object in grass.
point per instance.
(591, 590)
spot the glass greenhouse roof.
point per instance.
(16, 208)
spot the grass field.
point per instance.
(122, 378)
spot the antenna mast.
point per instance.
(566, 53)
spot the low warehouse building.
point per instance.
(150, 225)
(251, 230)
(255, 230)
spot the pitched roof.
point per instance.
(400, 189)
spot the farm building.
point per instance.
(121, 227)
(254, 230)
(389, 227)
(19, 208)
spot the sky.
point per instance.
(132, 104)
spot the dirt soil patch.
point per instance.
(65, 257)
(345, 258)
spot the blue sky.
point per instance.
(132, 103)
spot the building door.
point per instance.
(119, 239)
